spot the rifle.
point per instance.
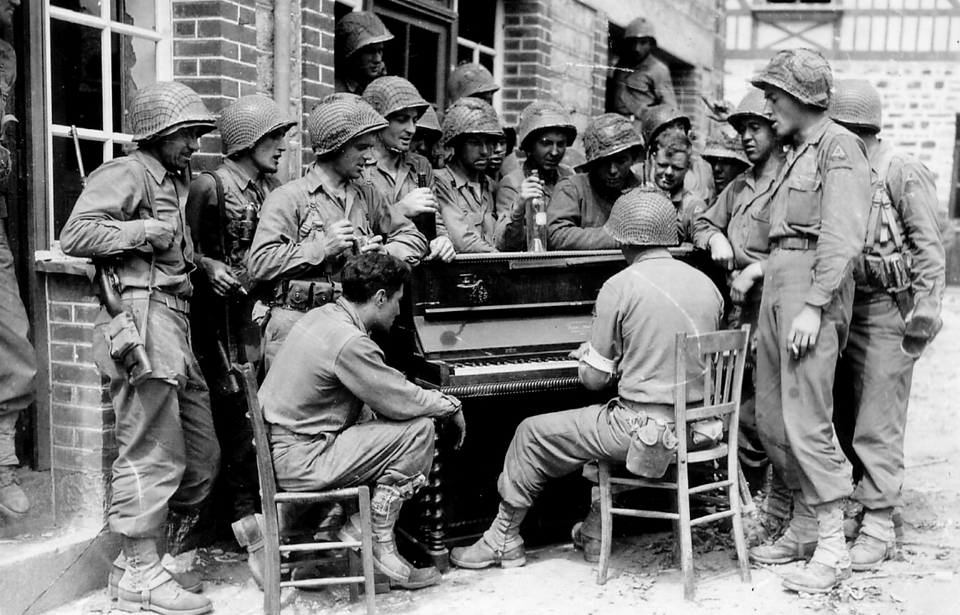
(226, 342)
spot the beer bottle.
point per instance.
(539, 231)
(426, 223)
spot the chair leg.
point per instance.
(353, 567)
(686, 541)
(739, 538)
(366, 550)
(606, 522)
(271, 572)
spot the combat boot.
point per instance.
(249, 534)
(876, 541)
(587, 533)
(147, 586)
(384, 510)
(500, 545)
(798, 542)
(13, 501)
(831, 561)
(189, 580)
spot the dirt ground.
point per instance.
(923, 580)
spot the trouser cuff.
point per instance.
(878, 523)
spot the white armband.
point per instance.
(599, 362)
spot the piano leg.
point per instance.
(427, 532)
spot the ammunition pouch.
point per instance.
(304, 295)
(891, 272)
(123, 335)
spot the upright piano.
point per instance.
(495, 330)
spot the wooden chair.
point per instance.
(724, 354)
(270, 498)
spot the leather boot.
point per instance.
(586, 535)
(188, 580)
(249, 535)
(501, 544)
(798, 542)
(385, 509)
(831, 561)
(147, 586)
(13, 501)
(876, 541)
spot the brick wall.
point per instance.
(317, 65)
(81, 416)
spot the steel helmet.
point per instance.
(856, 103)
(357, 30)
(470, 116)
(165, 107)
(607, 135)
(543, 114)
(469, 80)
(752, 105)
(640, 28)
(391, 94)
(247, 120)
(802, 73)
(429, 121)
(720, 145)
(643, 217)
(657, 117)
(338, 118)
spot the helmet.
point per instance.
(720, 145)
(164, 107)
(469, 80)
(391, 94)
(542, 114)
(470, 116)
(357, 30)
(429, 121)
(855, 103)
(606, 135)
(802, 73)
(337, 118)
(657, 117)
(640, 28)
(247, 120)
(752, 105)
(643, 217)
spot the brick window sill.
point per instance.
(55, 261)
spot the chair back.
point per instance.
(246, 377)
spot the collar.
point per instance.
(819, 129)
(154, 167)
(767, 177)
(317, 177)
(243, 180)
(352, 313)
(528, 167)
(653, 253)
(459, 181)
(380, 154)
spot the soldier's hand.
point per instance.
(580, 351)
(418, 201)
(804, 330)
(441, 248)
(531, 188)
(721, 251)
(457, 419)
(717, 110)
(743, 281)
(158, 234)
(338, 237)
(221, 277)
(372, 243)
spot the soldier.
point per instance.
(581, 203)
(660, 119)
(735, 231)
(640, 80)
(310, 225)
(359, 39)
(325, 373)
(397, 169)
(670, 159)
(471, 80)
(470, 132)
(818, 215)
(724, 154)
(223, 209)
(427, 140)
(545, 131)
(899, 286)
(133, 211)
(639, 312)
(18, 362)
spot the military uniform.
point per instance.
(577, 213)
(644, 85)
(467, 210)
(353, 32)
(510, 234)
(689, 208)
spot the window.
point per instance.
(480, 33)
(99, 54)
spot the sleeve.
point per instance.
(203, 218)
(403, 240)
(692, 208)
(664, 85)
(606, 333)
(621, 93)
(361, 368)
(277, 250)
(844, 207)
(564, 218)
(914, 194)
(102, 221)
(510, 235)
(715, 219)
(463, 235)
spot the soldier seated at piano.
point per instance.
(404, 177)
(309, 226)
(325, 373)
(471, 131)
(544, 132)
(581, 203)
(632, 342)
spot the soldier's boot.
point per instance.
(798, 542)
(249, 535)
(831, 560)
(188, 580)
(586, 534)
(876, 541)
(147, 586)
(385, 507)
(13, 501)
(775, 513)
(500, 545)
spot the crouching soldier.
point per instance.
(310, 225)
(638, 315)
(324, 374)
(133, 211)
(896, 311)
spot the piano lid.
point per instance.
(502, 337)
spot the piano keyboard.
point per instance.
(543, 367)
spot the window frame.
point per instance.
(496, 52)
(162, 36)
